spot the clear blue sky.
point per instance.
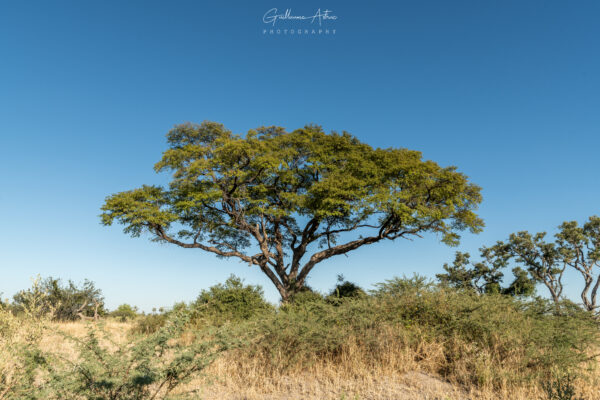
(509, 91)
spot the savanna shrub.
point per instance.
(480, 340)
(65, 301)
(304, 296)
(146, 324)
(147, 367)
(397, 286)
(231, 301)
(345, 289)
(125, 312)
(20, 358)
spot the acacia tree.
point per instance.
(486, 275)
(542, 260)
(287, 201)
(579, 248)
(574, 246)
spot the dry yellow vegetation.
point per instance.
(400, 374)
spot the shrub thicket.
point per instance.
(487, 341)
(482, 340)
(231, 301)
(20, 357)
(125, 312)
(66, 302)
(148, 367)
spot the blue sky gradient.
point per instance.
(508, 91)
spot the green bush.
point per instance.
(149, 367)
(486, 340)
(125, 312)
(305, 296)
(232, 301)
(397, 286)
(345, 289)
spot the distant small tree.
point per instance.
(287, 201)
(522, 284)
(538, 260)
(541, 259)
(579, 248)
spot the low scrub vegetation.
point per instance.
(146, 367)
(125, 312)
(482, 342)
(64, 302)
(477, 341)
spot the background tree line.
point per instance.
(535, 260)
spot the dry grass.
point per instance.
(54, 341)
(396, 372)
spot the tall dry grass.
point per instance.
(409, 341)
(416, 343)
(396, 370)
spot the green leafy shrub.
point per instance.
(484, 341)
(232, 301)
(397, 286)
(305, 296)
(345, 289)
(303, 333)
(149, 367)
(125, 312)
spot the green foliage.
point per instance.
(125, 312)
(522, 285)
(486, 340)
(150, 367)
(345, 289)
(232, 301)
(281, 192)
(397, 286)
(537, 260)
(65, 302)
(541, 259)
(561, 388)
(481, 341)
(486, 276)
(304, 296)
